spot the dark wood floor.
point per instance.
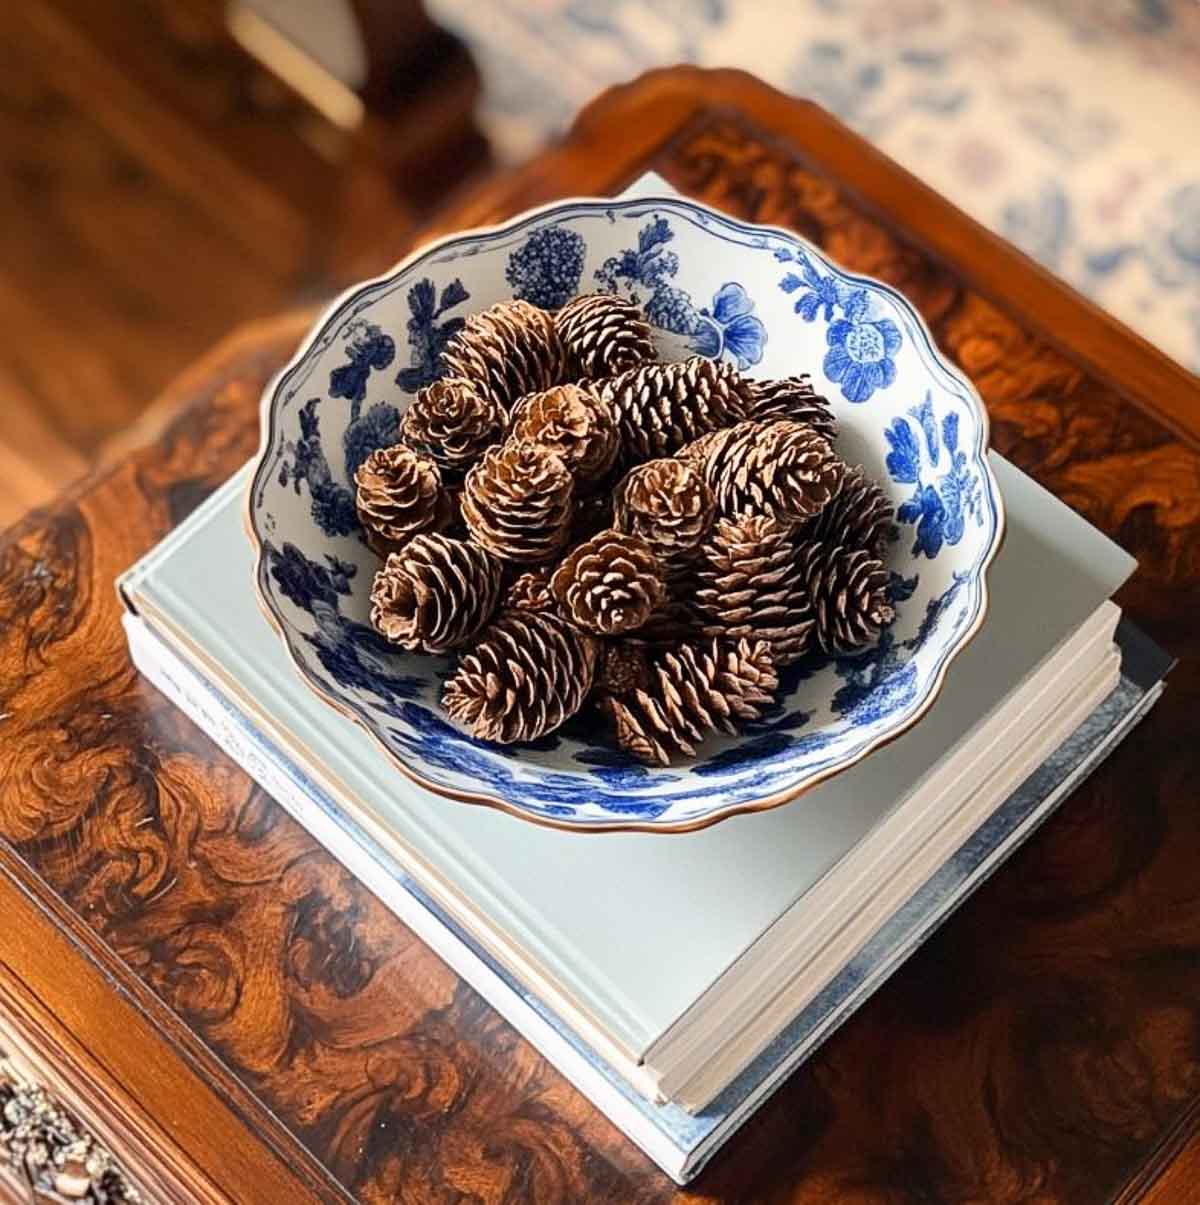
(158, 187)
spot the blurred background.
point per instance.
(175, 168)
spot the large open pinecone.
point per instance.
(398, 495)
(662, 407)
(507, 351)
(435, 594)
(609, 584)
(694, 690)
(517, 502)
(452, 423)
(573, 422)
(859, 517)
(780, 468)
(793, 398)
(603, 335)
(669, 505)
(748, 583)
(847, 591)
(528, 673)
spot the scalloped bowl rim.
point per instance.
(332, 315)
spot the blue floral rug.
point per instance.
(1070, 127)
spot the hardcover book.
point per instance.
(677, 979)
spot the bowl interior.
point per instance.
(761, 298)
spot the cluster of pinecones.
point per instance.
(583, 522)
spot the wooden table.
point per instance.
(242, 1020)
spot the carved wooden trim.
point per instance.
(49, 1150)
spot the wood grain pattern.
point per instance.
(159, 187)
(1040, 1049)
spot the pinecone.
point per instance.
(662, 407)
(624, 668)
(609, 584)
(668, 504)
(793, 398)
(527, 674)
(452, 423)
(695, 689)
(507, 351)
(847, 592)
(517, 502)
(780, 468)
(603, 335)
(435, 594)
(573, 422)
(399, 494)
(859, 517)
(749, 584)
(530, 591)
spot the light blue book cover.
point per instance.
(711, 892)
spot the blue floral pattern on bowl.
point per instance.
(644, 275)
(862, 344)
(906, 414)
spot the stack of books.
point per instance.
(676, 979)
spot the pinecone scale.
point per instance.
(662, 407)
(669, 505)
(398, 494)
(795, 399)
(695, 689)
(779, 468)
(528, 673)
(603, 335)
(847, 592)
(507, 351)
(517, 502)
(435, 594)
(750, 584)
(609, 584)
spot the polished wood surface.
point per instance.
(1041, 1048)
(159, 187)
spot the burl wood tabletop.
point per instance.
(295, 1040)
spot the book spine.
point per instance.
(228, 729)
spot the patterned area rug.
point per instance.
(1071, 127)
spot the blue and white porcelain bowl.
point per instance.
(754, 295)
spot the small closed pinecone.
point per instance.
(793, 398)
(435, 594)
(780, 468)
(530, 591)
(452, 423)
(669, 505)
(573, 422)
(528, 673)
(398, 495)
(517, 502)
(624, 667)
(609, 584)
(695, 689)
(750, 584)
(859, 517)
(847, 592)
(662, 407)
(603, 335)
(507, 351)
